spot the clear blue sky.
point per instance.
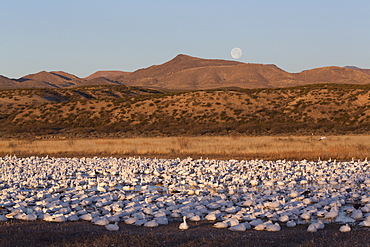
(83, 36)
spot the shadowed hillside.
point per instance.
(6, 82)
(104, 111)
(366, 71)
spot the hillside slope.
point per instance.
(101, 111)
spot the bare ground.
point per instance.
(40, 233)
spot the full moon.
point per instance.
(236, 52)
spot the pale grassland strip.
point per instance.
(290, 147)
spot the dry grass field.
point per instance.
(221, 147)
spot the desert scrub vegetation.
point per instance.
(131, 111)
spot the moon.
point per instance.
(236, 52)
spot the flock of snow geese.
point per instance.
(238, 195)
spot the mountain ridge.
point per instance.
(185, 72)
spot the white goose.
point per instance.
(345, 228)
(183, 225)
(356, 214)
(273, 227)
(221, 224)
(291, 223)
(238, 228)
(112, 227)
(312, 228)
(101, 221)
(332, 214)
(152, 223)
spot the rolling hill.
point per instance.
(106, 74)
(190, 73)
(43, 79)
